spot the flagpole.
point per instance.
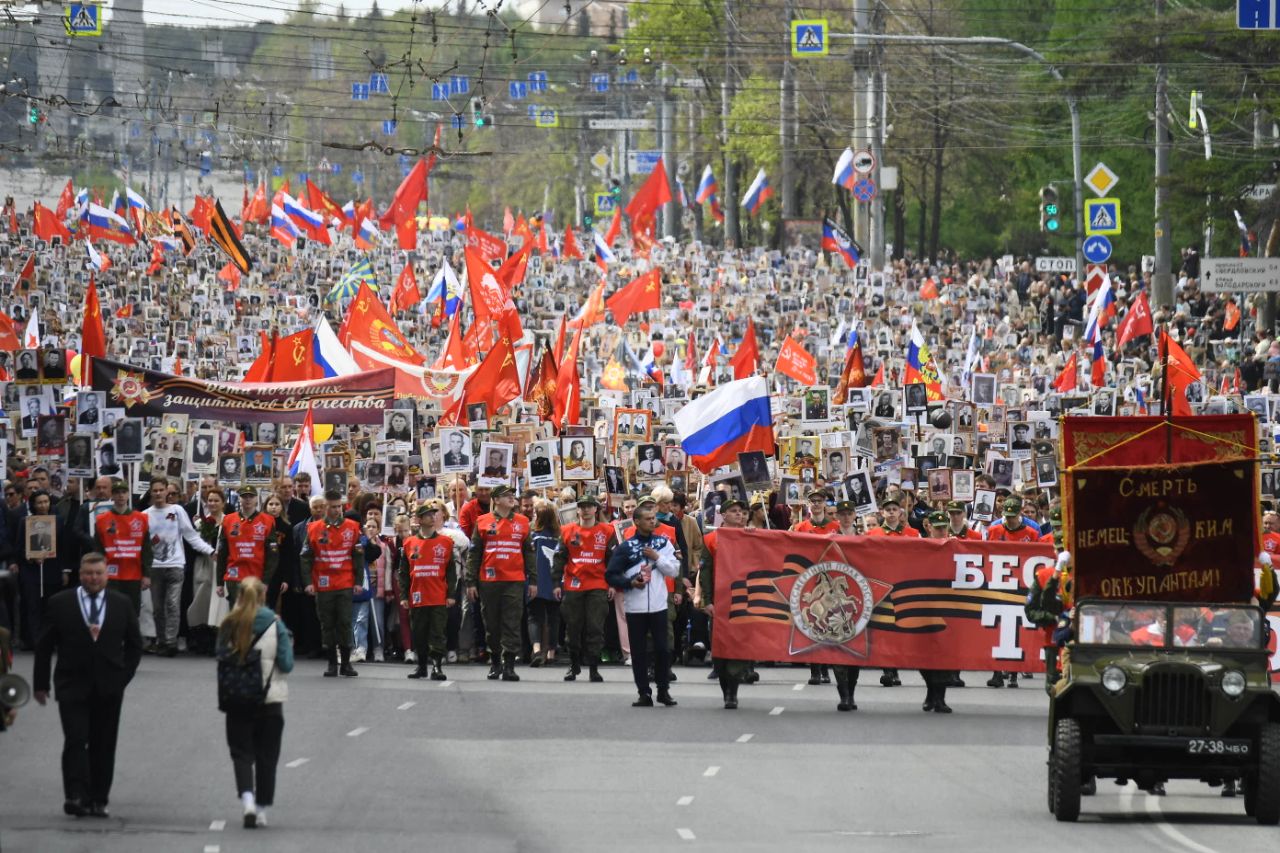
(1166, 397)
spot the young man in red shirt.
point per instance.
(248, 547)
(124, 536)
(428, 572)
(500, 564)
(333, 570)
(577, 570)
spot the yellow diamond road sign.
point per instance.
(1101, 179)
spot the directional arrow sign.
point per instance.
(620, 124)
(1097, 249)
(1226, 275)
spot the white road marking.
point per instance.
(686, 834)
(217, 826)
(776, 711)
(212, 848)
(711, 771)
(1153, 809)
(297, 762)
(446, 684)
(745, 738)
(684, 801)
(405, 706)
(357, 731)
(798, 687)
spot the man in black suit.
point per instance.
(95, 633)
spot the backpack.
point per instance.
(240, 684)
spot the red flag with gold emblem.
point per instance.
(293, 361)
(93, 335)
(643, 294)
(406, 295)
(796, 362)
(496, 381)
(368, 323)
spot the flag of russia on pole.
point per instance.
(329, 354)
(758, 193)
(103, 224)
(604, 255)
(302, 459)
(734, 418)
(136, 201)
(844, 175)
(707, 187)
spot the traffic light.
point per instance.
(1049, 221)
(587, 220)
(478, 115)
(33, 113)
(615, 189)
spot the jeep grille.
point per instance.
(1172, 698)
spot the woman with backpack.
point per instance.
(253, 696)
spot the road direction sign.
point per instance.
(605, 203)
(642, 162)
(83, 19)
(439, 91)
(537, 81)
(518, 89)
(620, 123)
(459, 85)
(1260, 192)
(359, 91)
(600, 82)
(1067, 265)
(864, 190)
(1101, 179)
(864, 162)
(378, 84)
(1102, 216)
(1097, 249)
(1256, 15)
(1225, 275)
(810, 38)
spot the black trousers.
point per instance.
(89, 731)
(254, 740)
(654, 625)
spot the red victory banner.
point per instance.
(875, 601)
(359, 398)
(1122, 441)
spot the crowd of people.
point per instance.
(917, 400)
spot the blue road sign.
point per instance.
(84, 19)
(1254, 15)
(1097, 249)
(644, 162)
(335, 168)
(537, 81)
(809, 38)
(359, 91)
(455, 121)
(518, 90)
(864, 190)
(459, 85)
(357, 177)
(605, 204)
(250, 176)
(439, 91)
(600, 82)
(378, 84)
(277, 171)
(533, 110)
(629, 76)
(206, 165)
(302, 177)
(389, 127)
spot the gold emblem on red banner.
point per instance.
(831, 604)
(1161, 533)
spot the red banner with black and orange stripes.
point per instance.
(876, 601)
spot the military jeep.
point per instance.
(1153, 691)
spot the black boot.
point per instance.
(996, 680)
(752, 675)
(509, 667)
(815, 673)
(437, 670)
(419, 671)
(889, 678)
(1013, 679)
(495, 668)
(824, 673)
(332, 670)
(575, 667)
(930, 697)
(664, 698)
(845, 690)
(593, 669)
(727, 689)
(346, 669)
(940, 705)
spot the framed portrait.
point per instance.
(649, 462)
(108, 464)
(1046, 471)
(1268, 479)
(397, 426)
(372, 474)
(335, 479)
(858, 488)
(886, 443)
(631, 427)
(456, 446)
(1019, 435)
(789, 489)
(495, 464)
(129, 440)
(540, 464)
(28, 367)
(984, 505)
(89, 408)
(858, 400)
(201, 456)
(962, 483)
(41, 537)
(754, 466)
(615, 480)
(939, 484)
(257, 464)
(982, 389)
(175, 424)
(478, 415)
(836, 464)
(887, 406)
(577, 458)
(80, 455)
(676, 459)
(51, 436)
(678, 481)
(916, 397)
(426, 488)
(1001, 469)
(230, 469)
(431, 458)
(815, 405)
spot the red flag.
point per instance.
(541, 387)
(411, 192)
(319, 200)
(879, 377)
(561, 332)
(748, 354)
(593, 311)
(511, 273)
(654, 192)
(46, 225)
(496, 381)
(508, 221)
(568, 396)
(794, 361)
(929, 290)
(157, 259)
(261, 367)
(93, 336)
(489, 247)
(643, 294)
(259, 209)
(570, 251)
(853, 374)
(1180, 372)
(615, 228)
(231, 275)
(1066, 380)
(368, 324)
(28, 273)
(202, 214)
(1136, 322)
(65, 200)
(406, 295)
(124, 312)
(293, 361)
(9, 340)
(407, 233)
(1232, 316)
(454, 355)
(488, 298)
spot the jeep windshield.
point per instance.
(1152, 625)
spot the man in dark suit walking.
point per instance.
(95, 633)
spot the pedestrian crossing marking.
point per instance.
(297, 762)
(745, 738)
(217, 826)
(405, 706)
(776, 711)
(1102, 219)
(798, 687)
(711, 771)
(684, 801)
(809, 38)
(357, 731)
(686, 834)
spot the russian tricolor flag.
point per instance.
(758, 193)
(369, 235)
(302, 459)
(282, 227)
(734, 418)
(1101, 311)
(604, 255)
(329, 354)
(844, 175)
(707, 187)
(136, 201)
(306, 219)
(99, 262)
(103, 224)
(445, 288)
(834, 239)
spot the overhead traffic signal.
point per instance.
(33, 113)
(615, 188)
(1049, 218)
(478, 116)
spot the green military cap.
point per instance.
(819, 493)
(499, 491)
(647, 499)
(1012, 506)
(894, 498)
(428, 507)
(588, 500)
(846, 506)
(1055, 515)
(732, 502)
(956, 506)
(938, 519)
(246, 492)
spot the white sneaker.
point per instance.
(411, 656)
(357, 655)
(452, 657)
(250, 816)
(262, 816)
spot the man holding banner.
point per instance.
(734, 512)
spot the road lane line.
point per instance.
(745, 738)
(684, 801)
(798, 687)
(212, 848)
(405, 706)
(446, 684)
(776, 711)
(357, 731)
(711, 771)
(217, 826)
(1153, 808)
(686, 834)
(297, 762)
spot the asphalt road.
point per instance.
(383, 764)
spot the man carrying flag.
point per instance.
(836, 241)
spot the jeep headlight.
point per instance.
(1233, 683)
(1114, 679)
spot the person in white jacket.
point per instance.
(169, 526)
(636, 568)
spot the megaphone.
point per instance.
(14, 691)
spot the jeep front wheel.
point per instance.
(1266, 785)
(1065, 767)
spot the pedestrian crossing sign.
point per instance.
(547, 117)
(83, 19)
(809, 38)
(1102, 216)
